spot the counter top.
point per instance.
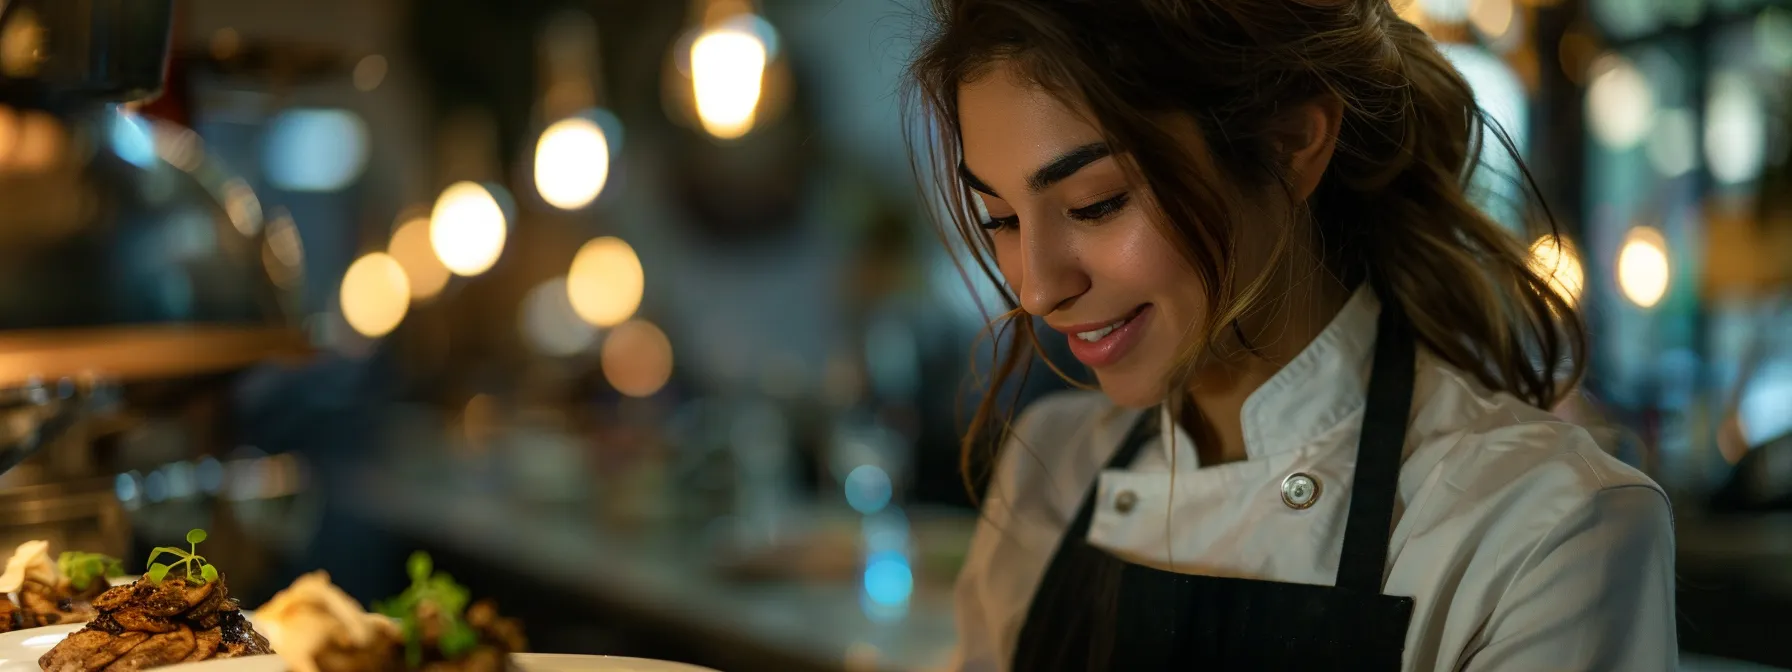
(821, 622)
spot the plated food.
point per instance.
(52, 592)
(430, 627)
(177, 612)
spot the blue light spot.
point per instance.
(132, 141)
(315, 149)
(210, 475)
(888, 580)
(868, 489)
(155, 487)
(126, 487)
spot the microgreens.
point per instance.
(189, 559)
(449, 602)
(83, 568)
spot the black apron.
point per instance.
(1093, 611)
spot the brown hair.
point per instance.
(1394, 206)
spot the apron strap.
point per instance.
(1380, 447)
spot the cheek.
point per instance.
(1138, 258)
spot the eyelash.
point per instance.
(1088, 213)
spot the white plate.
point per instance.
(20, 650)
(529, 662)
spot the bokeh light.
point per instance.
(606, 281)
(132, 139)
(1493, 18)
(467, 229)
(572, 162)
(375, 295)
(1735, 129)
(1620, 103)
(411, 247)
(1643, 267)
(315, 150)
(1556, 259)
(888, 579)
(727, 74)
(637, 358)
(370, 72)
(1673, 145)
(550, 324)
(868, 488)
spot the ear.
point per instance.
(1312, 135)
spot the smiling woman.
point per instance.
(1252, 217)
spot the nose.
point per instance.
(1051, 275)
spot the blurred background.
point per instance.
(629, 312)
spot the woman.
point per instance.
(1319, 440)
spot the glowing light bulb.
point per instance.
(375, 295)
(1555, 259)
(1643, 267)
(727, 72)
(572, 162)
(467, 229)
(637, 358)
(411, 247)
(606, 282)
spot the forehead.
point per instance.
(1010, 126)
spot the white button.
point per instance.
(1124, 501)
(1300, 490)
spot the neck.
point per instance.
(1247, 355)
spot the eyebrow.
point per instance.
(1053, 172)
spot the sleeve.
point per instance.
(1011, 543)
(1596, 594)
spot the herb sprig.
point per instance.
(189, 559)
(447, 604)
(83, 568)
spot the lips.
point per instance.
(1100, 344)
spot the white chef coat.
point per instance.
(1525, 547)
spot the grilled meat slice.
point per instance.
(89, 650)
(160, 650)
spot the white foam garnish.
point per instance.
(308, 615)
(31, 562)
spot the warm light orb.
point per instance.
(411, 247)
(1643, 267)
(1620, 103)
(606, 281)
(572, 162)
(1492, 17)
(637, 358)
(375, 295)
(727, 72)
(466, 229)
(1554, 258)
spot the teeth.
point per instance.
(1096, 335)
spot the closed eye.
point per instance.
(1002, 223)
(1101, 210)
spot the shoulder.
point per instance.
(1491, 455)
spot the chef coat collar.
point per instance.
(1318, 389)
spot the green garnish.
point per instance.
(82, 568)
(449, 601)
(190, 559)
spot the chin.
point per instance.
(1131, 390)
